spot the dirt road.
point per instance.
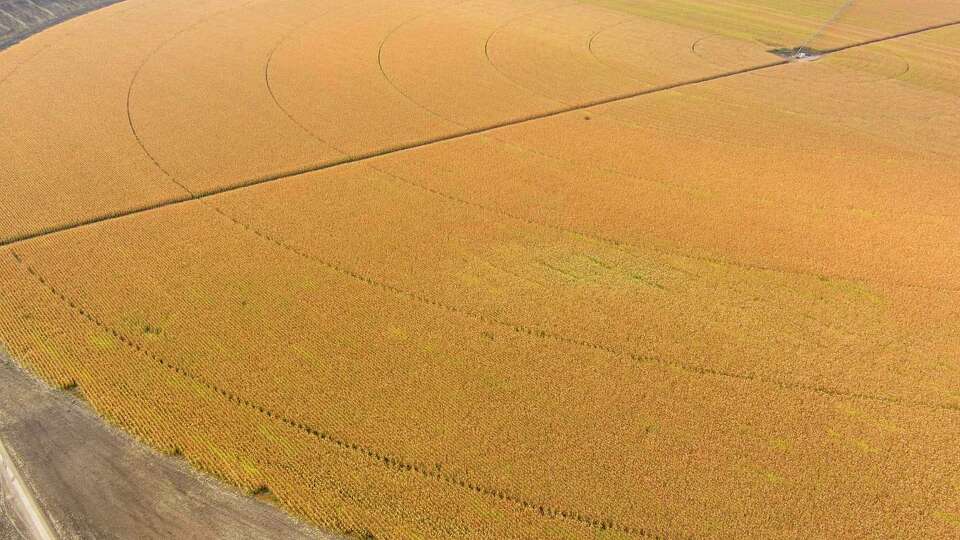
(95, 482)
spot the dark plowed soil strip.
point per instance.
(426, 142)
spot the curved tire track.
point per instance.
(377, 456)
(136, 75)
(539, 333)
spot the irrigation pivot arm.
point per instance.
(823, 27)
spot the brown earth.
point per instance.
(95, 482)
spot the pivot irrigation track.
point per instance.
(11, 240)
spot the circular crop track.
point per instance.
(490, 268)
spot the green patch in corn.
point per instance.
(948, 517)
(103, 342)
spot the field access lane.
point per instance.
(354, 79)
(67, 152)
(856, 186)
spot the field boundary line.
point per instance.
(364, 156)
(136, 76)
(539, 333)
(617, 243)
(891, 37)
(388, 461)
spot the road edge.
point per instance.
(31, 516)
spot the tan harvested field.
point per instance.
(505, 269)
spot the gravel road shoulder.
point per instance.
(92, 481)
